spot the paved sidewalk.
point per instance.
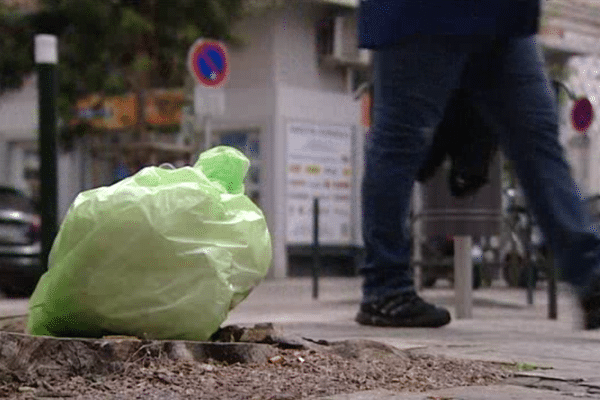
(503, 328)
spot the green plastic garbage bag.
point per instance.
(163, 254)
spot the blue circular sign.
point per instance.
(208, 63)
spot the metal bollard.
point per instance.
(463, 276)
(552, 302)
(530, 267)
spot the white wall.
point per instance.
(248, 104)
(276, 78)
(317, 105)
(16, 175)
(307, 91)
(18, 122)
(252, 65)
(584, 81)
(70, 170)
(19, 112)
(296, 60)
(4, 167)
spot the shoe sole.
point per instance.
(375, 320)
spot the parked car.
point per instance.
(20, 243)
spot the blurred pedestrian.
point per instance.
(424, 51)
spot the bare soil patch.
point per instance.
(294, 369)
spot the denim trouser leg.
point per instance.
(522, 103)
(412, 82)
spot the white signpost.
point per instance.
(208, 103)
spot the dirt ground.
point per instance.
(51, 372)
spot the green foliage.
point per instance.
(112, 46)
(16, 49)
(134, 24)
(114, 84)
(142, 63)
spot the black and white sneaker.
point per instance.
(404, 310)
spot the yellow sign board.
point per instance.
(161, 108)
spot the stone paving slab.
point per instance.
(13, 307)
(504, 328)
(499, 392)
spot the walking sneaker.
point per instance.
(404, 310)
(590, 304)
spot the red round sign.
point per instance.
(582, 114)
(208, 62)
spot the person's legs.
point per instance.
(522, 101)
(412, 83)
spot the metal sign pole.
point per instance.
(46, 58)
(207, 132)
(316, 250)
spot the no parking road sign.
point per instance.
(582, 114)
(208, 62)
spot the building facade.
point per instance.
(290, 106)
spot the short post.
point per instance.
(316, 251)
(463, 276)
(418, 262)
(416, 225)
(46, 58)
(529, 264)
(552, 302)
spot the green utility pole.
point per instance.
(46, 59)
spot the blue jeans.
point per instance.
(505, 79)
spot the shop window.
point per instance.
(247, 142)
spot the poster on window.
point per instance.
(319, 165)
